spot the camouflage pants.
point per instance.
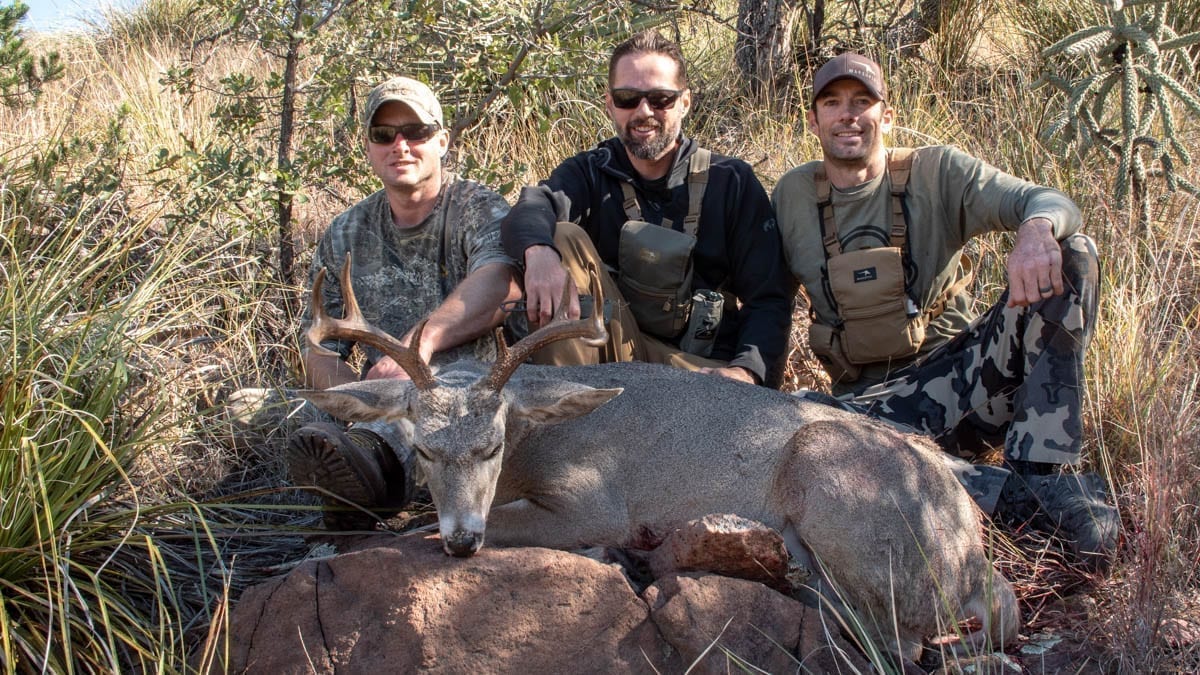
(1015, 375)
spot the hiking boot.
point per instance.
(1073, 507)
(355, 465)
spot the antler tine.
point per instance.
(560, 328)
(501, 344)
(353, 327)
(414, 342)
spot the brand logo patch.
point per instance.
(865, 274)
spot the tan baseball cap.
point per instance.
(416, 95)
(853, 66)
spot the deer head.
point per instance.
(460, 419)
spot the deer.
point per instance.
(620, 454)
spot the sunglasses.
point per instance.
(659, 99)
(385, 134)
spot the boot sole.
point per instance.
(314, 458)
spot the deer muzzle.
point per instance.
(462, 543)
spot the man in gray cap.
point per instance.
(425, 246)
(876, 234)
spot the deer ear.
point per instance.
(355, 403)
(561, 406)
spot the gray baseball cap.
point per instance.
(853, 66)
(416, 95)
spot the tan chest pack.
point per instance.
(655, 261)
(878, 321)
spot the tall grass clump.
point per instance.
(122, 328)
(69, 425)
(178, 23)
(138, 258)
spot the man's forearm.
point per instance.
(472, 309)
(322, 371)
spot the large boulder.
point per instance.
(400, 605)
(397, 604)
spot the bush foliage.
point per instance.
(159, 200)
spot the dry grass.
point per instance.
(220, 326)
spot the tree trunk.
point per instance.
(763, 50)
(283, 159)
(906, 36)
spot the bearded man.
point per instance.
(683, 240)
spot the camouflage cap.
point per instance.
(853, 66)
(416, 95)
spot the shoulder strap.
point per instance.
(899, 167)
(632, 212)
(698, 165)
(829, 231)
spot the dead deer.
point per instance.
(620, 454)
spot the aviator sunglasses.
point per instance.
(385, 134)
(659, 99)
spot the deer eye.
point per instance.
(493, 451)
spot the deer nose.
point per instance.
(463, 543)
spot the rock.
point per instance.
(718, 623)
(1179, 633)
(728, 545)
(401, 605)
(388, 603)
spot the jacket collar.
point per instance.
(614, 160)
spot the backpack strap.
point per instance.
(829, 231)
(899, 167)
(632, 211)
(935, 310)
(697, 180)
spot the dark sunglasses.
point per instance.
(659, 99)
(385, 134)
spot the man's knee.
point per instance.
(1075, 310)
(577, 251)
(1080, 266)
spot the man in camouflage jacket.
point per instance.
(425, 246)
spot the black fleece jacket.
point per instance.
(738, 247)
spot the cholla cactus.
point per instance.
(1135, 61)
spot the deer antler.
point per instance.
(353, 327)
(591, 330)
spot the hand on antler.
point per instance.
(387, 368)
(544, 281)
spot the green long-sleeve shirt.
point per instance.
(952, 197)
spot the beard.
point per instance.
(654, 147)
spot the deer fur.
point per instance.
(620, 454)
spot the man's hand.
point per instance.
(544, 280)
(732, 372)
(385, 368)
(1035, 264)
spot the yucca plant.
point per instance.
(74, 410)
